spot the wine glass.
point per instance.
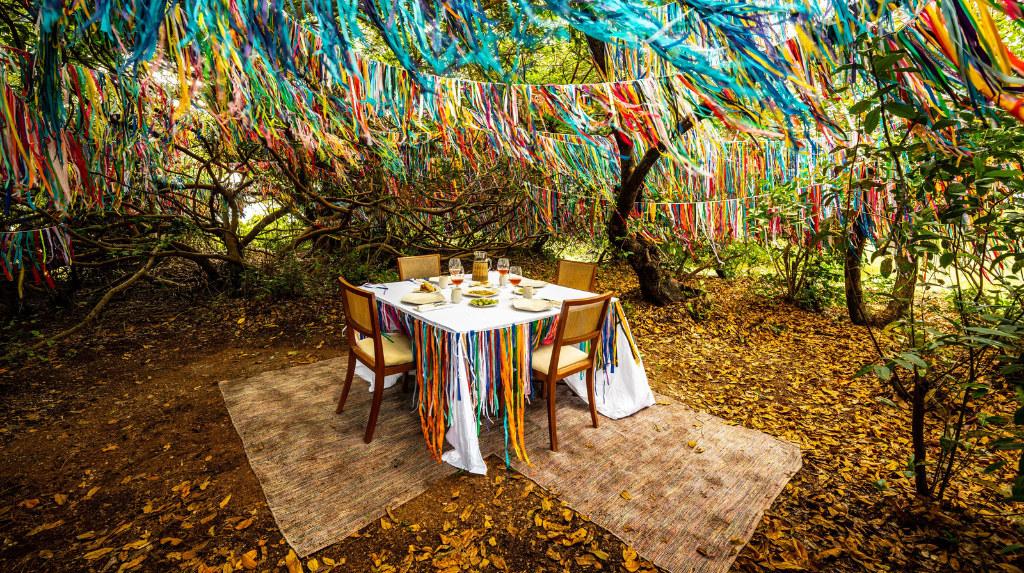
(515, 276)
(502, 267)
(455, 270)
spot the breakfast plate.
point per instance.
(532, 304)
(481, 292)
(532, 283)
(423, 297)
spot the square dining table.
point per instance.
(466, 332)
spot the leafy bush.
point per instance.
(825, 287)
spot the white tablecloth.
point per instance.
(620, 393)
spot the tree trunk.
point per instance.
(641, 254)
(852, 277)
(902, 292)
(205, 264)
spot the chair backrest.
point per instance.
(577, 275)
(360, 312)
(581, 319)
(421, 267)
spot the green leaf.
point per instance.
(904, 363)
(1018, 416)
(991, 331)
(1011, 549)
(886, 401)
(1008, 173)
(901, 110)
(882, 372)
(860, 107)
(871, 121)
(946, 259)
(917, 360)
(993, 467)
(888, 60)
(886, 267)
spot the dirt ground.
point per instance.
(118, 453)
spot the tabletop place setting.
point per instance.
(484, 290)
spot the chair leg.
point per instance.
(378, 394)
(552, 429)
(405, 382)
(590, 395)
(348, 382)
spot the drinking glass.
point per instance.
(515, 276)
(502, 268)
(455, 270)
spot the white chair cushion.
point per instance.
(398, 350)
(569, 356)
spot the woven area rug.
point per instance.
(321, 481)
(685, 506)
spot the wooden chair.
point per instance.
(577, 275)
(385, 356)
(421, 267)
(580, 320)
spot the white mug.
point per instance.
(527, 292)
(456, 295)
(443, 281)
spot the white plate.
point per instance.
(533, 283)
(423, 297)
(532, 304)
(490, 292)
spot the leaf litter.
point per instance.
(195, 506)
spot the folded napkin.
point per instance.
(433, 306)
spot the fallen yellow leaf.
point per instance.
(625, 495)
(225, 502)
(292, 562)
(98, 553)
(129, 564)
(249, 559)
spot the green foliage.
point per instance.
(825, 284)
(315, 275)
(795, 250)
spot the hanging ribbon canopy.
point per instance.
(253, 63)
(37, 252)
(256, 72)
